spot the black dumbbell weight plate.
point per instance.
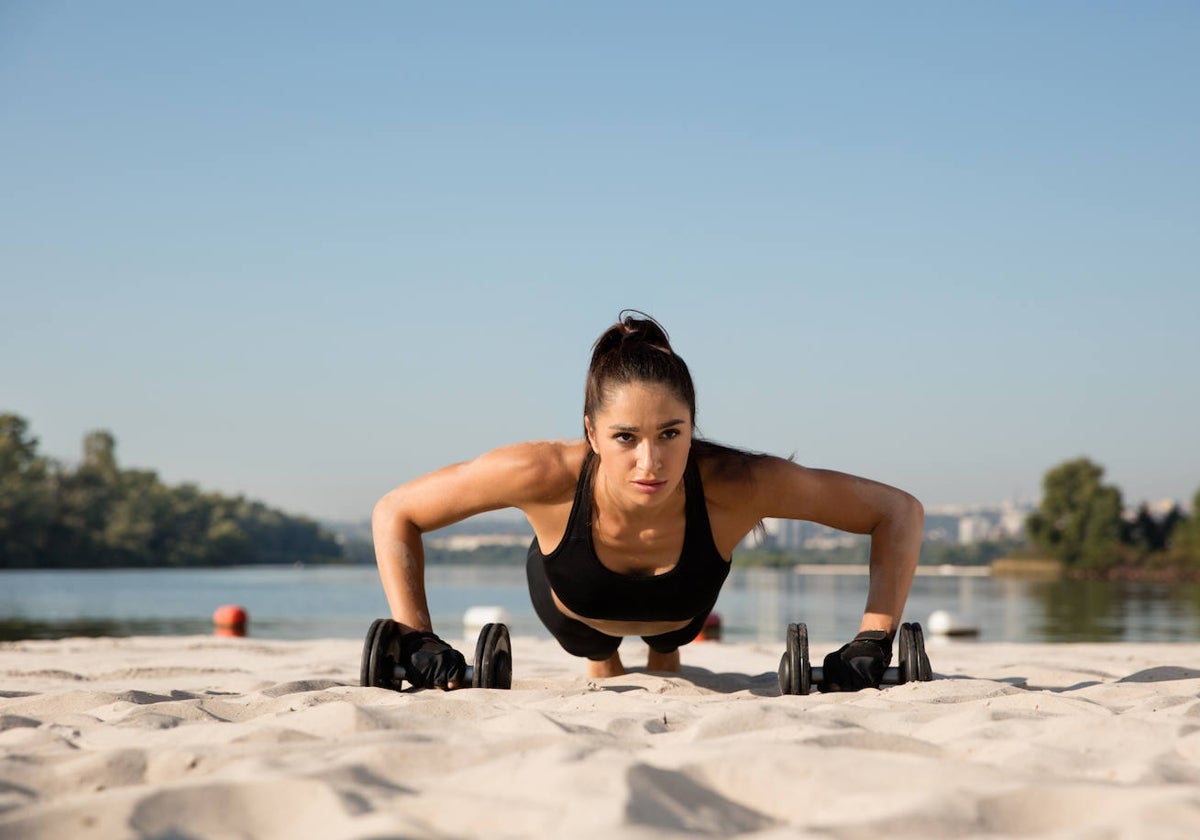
(369, 643)
(789, 664)
(385, 654)
(909, 657)
(804, 679)
(795, 676)
(923, 670)
(494, 667)
(481, 645)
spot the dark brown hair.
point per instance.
(637, 349)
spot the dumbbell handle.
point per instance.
(468, 677)
(891, 676)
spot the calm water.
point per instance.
(756, 605)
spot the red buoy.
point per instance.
(229, 620)
(711, 631)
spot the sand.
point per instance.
(190, 737)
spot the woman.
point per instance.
(635, 524)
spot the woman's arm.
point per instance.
(513, 476)
(893, 518)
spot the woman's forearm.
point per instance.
(400, 555)
(895, 550)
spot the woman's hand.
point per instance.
(429, 662)
(859, 664)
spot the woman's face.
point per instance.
(642, 434)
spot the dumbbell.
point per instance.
(381, 657)
(798, 676)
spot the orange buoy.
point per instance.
(711, 631)
(229, 620)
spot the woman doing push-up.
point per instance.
(635, 524)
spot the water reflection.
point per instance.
(759, 603)
(1088, 610)
(1080, 610)
(756, 605)
(16, 629)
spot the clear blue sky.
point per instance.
(305, 251)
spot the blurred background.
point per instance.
(261, 263)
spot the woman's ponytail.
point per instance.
(636, 349)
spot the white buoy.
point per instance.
(476, 617)
(946, 623)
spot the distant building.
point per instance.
(962, 524)
(967, 525)
(1012, 519)
(973, 529)
(470, 542)
(792, 534)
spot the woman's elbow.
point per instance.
(907, 511)
(916, 510)
(388, 513)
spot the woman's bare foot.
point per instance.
(611, 667)
(663, 661)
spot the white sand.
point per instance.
(205, 737)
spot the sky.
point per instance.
(306, 252)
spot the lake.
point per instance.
(756, 604)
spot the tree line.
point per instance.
(1081, 523)
(98, 515)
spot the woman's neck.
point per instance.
(620, 518)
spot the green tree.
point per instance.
(1079, 519)
(1144, 534)
(26, 495)
(228, 543)
(100, 455)
(1169, 523)
(84, 503)
(1184, 540)
(100, 515)
(139, 517)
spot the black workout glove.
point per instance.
(429, 662)
(859, 664)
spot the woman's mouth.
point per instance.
(650, 486)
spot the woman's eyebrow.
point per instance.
(618, 427)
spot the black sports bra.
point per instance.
(590, 589)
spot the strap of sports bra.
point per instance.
(579, 521)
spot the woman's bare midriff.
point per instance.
(623, 628)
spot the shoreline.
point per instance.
(943, 569)
(1001, 567)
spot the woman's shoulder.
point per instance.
(731, 476)
(541, 470)
(728, 465)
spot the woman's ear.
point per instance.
(591, 433)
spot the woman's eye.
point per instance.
(623, 437)
(670, 434)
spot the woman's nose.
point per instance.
(649, 457)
